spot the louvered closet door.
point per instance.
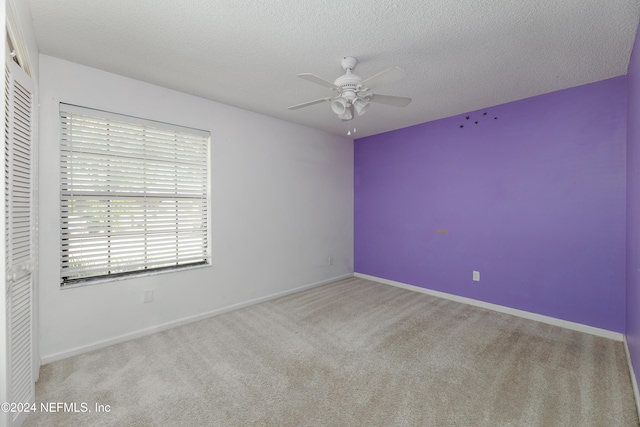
(19, 242)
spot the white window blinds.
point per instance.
(134, 195)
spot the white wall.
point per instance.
(282, 203)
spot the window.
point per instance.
(134, 196)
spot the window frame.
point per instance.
(128, 192)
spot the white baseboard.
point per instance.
(634, 382)
(502, 309)
(179, 322)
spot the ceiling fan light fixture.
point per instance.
(339, 106)
(346, 115)
(361, 106)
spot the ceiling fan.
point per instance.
(352, 91)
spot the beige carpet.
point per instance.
(351, 353)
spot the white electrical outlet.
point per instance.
(476, 276)
(330, 260)
(148, 296)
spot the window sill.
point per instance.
(131, 276)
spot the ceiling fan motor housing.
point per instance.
(348, 83)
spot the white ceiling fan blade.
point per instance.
(387, 76)
(317, 80)
(306, 104)
(396, 101)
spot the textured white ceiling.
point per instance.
(459, 55)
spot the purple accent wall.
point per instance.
(633, 208)
(534, 200)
